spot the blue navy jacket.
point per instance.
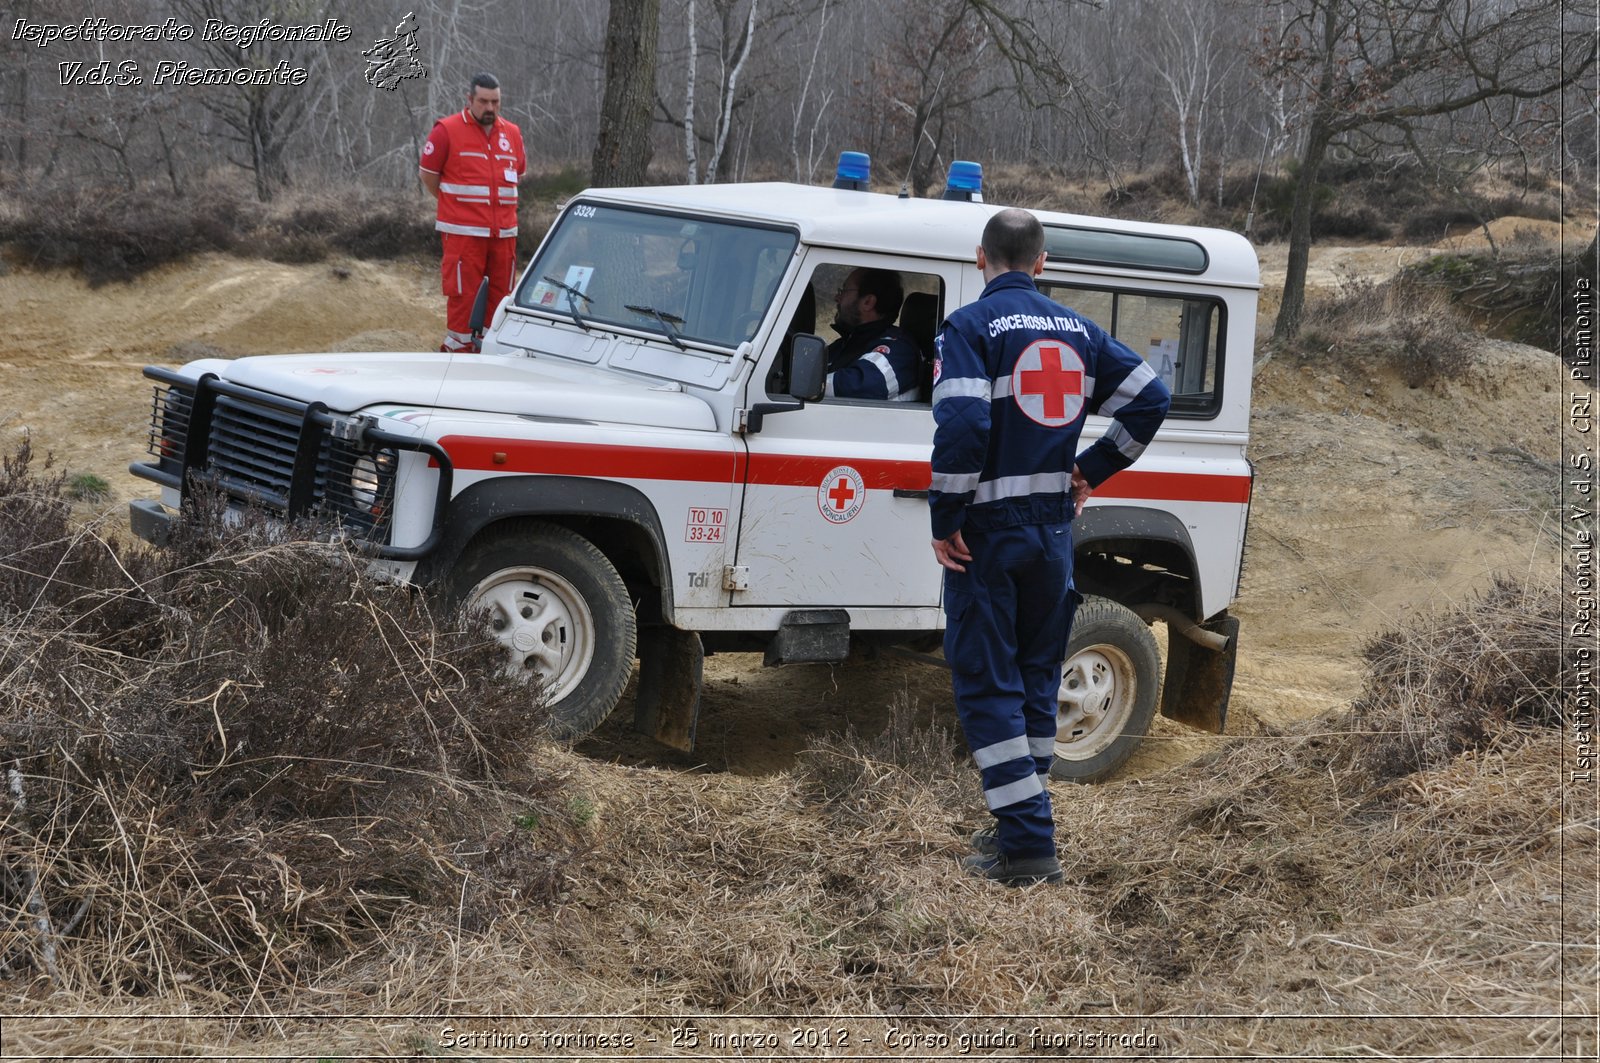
(1014, 376)
(875, 360)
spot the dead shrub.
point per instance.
(840, 770)
(1461, 681)
(1512, 295)
(388, 234)
(313, 225)
(236, 759)
(1341, 222)
(51, 563)
(1435, 221)
(116, 235)
(1398, 325)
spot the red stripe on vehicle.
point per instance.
(471, 453)
(1176, 487)
(587, 459)
(807, 470)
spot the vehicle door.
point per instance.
(835, 506)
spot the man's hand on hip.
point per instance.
(1080, 492)
(951, 552)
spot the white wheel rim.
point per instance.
(1098, 689)
(544, 624)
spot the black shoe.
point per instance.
(986, 842)
(1014, 871)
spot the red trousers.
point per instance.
(467, 260)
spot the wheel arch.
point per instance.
(1134, 555)
(617, 518)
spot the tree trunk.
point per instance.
(727, 96)
(691, 161)
(622, 149)
(1291, 311)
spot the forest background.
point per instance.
(1239, 108)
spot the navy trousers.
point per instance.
(1006, 624)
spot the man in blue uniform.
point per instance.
(1014, 376)
(873, 358)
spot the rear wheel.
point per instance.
(1107, 699)
(558, 606)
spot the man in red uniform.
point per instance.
(471, 164)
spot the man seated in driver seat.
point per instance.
(873, 358)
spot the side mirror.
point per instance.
(808, 367)
(480, 310)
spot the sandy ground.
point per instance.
(1372, 500)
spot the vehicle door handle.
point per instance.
(900, 492)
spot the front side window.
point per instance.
(882, 350)
(690, 279)
(1180, 338)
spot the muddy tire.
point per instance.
(558, 606)
(1109, 685)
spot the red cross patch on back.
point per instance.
(1047, 383)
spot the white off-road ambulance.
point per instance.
(640, 464)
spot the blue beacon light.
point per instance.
(854, 172)
(965, 182)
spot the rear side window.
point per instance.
(1181, 338)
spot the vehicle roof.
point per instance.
(946, 229)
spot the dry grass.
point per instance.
(1413, 857)
(1401, 326)
(230, 764)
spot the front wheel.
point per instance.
(1109, 684)
(558, 606)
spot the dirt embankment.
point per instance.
(1372, 499)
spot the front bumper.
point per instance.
(286, 458)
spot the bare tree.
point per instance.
(622, 148)
(17, 70)
(691, 72)
(261, 120)
(735, 26)
(1189, 58)
(1363, 65)
(951, 56)
(806, 170)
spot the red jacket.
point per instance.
(478, 174)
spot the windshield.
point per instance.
(709, 282)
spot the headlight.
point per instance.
(367, 478)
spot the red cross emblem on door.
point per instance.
(1047, 383)
(841, 494)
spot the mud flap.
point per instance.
(810, 636)
(1199, 680)
(671, 673)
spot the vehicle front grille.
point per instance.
(250, 453)
(252, 449)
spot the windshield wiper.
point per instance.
(572, 307)
(666, 320)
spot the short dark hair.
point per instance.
(482, 81)
(1013, 238)
(883, 285)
